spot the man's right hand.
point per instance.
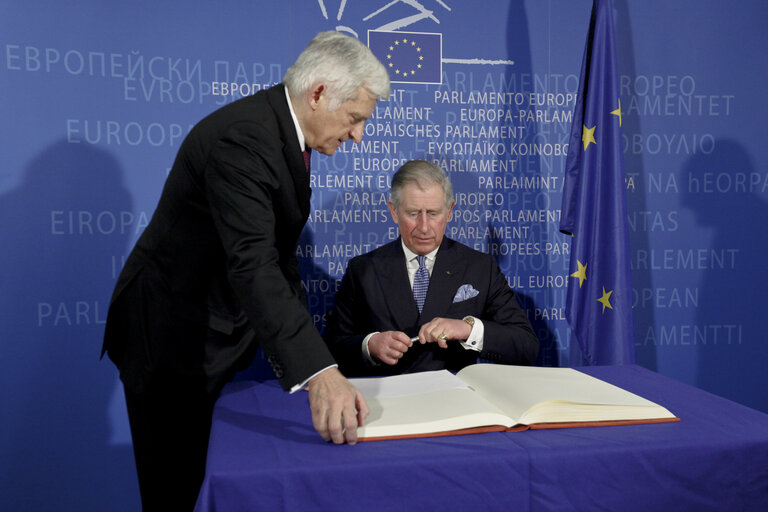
(389, 346)
(338, 408)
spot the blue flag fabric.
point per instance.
(599, 301)
(410, 57)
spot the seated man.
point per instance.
(424, 302)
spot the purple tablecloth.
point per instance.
(264, 455)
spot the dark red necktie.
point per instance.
(306, 158)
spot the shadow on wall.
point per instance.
(61, 230)
(518, 266)
(636, 196)
(721, 189)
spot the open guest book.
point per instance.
(493, 397)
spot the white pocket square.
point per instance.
(465, 292)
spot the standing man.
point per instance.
(453, 298)
(215, 275)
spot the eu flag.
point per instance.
(599, 301)
(410, 57)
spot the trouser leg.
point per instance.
(170, 426)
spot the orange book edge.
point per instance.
(520, 428)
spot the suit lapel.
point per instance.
(393, 277)
(291, 151)
(442, 282)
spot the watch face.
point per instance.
(470, 320)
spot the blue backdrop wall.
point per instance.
(96, 98)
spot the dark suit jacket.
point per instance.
(215, 272)
(375, 295)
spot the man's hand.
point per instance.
(338, 408)
(389, 346)
(441, 330)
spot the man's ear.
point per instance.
(393, 211)
(313, 95)
(451, 209)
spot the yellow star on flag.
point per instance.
(617, 112)
(605, 300)
(588, 135)
(581, 273)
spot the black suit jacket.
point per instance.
(215, 272)
(375, 295)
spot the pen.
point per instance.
(415, 339)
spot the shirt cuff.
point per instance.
(304, 384)
(366, 352)
(475, 340)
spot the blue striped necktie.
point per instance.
(420, 283)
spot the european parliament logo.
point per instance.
(410, 57)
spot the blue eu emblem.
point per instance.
(410, 57)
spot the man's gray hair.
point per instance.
(341, 62)
(422, 173)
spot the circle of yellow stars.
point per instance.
(404, 43)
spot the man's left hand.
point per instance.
(440, 330)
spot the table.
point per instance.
(265, 455)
